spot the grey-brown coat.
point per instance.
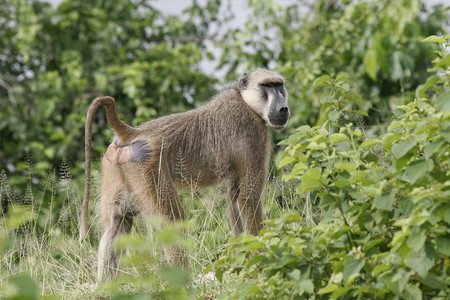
(226, 138)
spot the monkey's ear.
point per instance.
(243, 81)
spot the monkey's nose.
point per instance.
(284, 111)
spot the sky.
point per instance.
(239, 6)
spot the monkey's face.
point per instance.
(265, 93)
(276, 112)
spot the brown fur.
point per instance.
(224, 139)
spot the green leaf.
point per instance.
(352, 266)
(416, 240)
(338, 137)
(446, 134)
(372, 244)
(400, 235)
(361, 112)
(389, 138)
(370, 142)
(447, 215)
(256, 245)
(18, 215)
(340, 231)
(27, 288)
(219, 273)
(443, 101)
(384, 202)
(285, 260)
(400, 149)
(443, 244)
(412, 292)
(312, 175)
(326, 201)
(444, 62)
(323, 116)
(292, 217)
(342, 183)
(417, 169)
(435, 281)
(395, 125)
(423, 88)
(176, 276)
(399, 112)
(433, 148)
(358, 175)
(341, 291)
(285, 161)
(344, 86)
(307, 286)
(333, 115)
(403, 161)
(330, 288)
(299, 168)
(255, 260)
(379, 269)
(399, 282)
(346, 166)
(295, 274)
(433, 39)
(370, 63)
(421, 261)
(247, 289)
(325, 98)
(321, 81)
(101, 81)
(355, 98)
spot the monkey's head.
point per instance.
(264, 92)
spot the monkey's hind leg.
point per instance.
(107, 255)
(114, 218)
(168, 204)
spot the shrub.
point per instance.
(384, 200)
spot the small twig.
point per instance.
(9, 89)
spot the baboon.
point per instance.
(227, 138)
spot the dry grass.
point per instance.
(45, 245)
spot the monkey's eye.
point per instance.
(271, 84)
(267, 84)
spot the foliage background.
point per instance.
(346, 62)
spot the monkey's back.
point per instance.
(210, 143)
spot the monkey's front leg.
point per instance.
(233, 209)
(250, 202)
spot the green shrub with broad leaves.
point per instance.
(385, 202)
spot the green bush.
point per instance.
(384, 200)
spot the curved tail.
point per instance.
(123, 131)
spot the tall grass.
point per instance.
(39, 239)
